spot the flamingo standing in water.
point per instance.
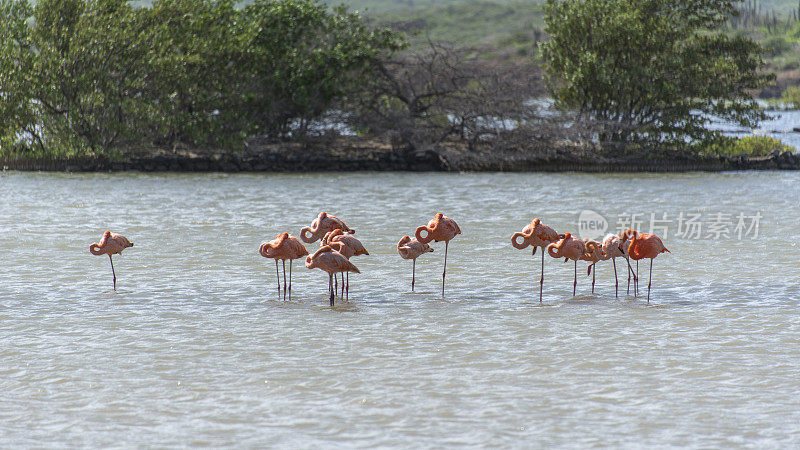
(440, 228)
(332, 262)
(412, 249)
(625, 237)
(535, 234)
(568, 247)
(612, 248)
(111, 244)
(322, 225)
(645, 245)
(347, 245)
(283, 247)
(593, 254)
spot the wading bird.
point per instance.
(644, 245)
(593, 254)
(440, 228)
(412, 249)
(111, 244)
(535, 234)
(322, 225)
(568, 247)
(332, 262)
(612, 248)
(347, 245)
(283, 247)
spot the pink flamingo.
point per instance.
(331, 261)
(645, 245)
(625, 237)
(412, 249)
(568, 248)
(347, 245)
(612, 248)
(535, 234)
(593, 254)
(440, 228)
(323, 224)
(283, 247)
(111, 244)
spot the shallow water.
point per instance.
(196, 349)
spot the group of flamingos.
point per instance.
(338, 244)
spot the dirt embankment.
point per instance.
(363, 154)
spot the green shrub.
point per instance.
(791, 97)
(749, 145)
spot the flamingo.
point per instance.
(111, 244)
(323, 224)
(645, 245)
(331, 261)
(347, 245)
(440, 228)
(626, 236)
(535, 234)
(283, 247)
(612, 248)
(593, 254)
(412, 249)
(568, 247)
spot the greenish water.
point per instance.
(196, 349)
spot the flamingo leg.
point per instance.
(636, 280)
(348, 286)
(594, 274)
(113, 274)
(413, 273)
(290, 279)
(335, 283)
(284, 280)
(650, 281)
(630, 271)
(446, 243)
(575, 282)
(616, 280)
(342, 284)
(330, 286)
(278, 275)
(541, 280)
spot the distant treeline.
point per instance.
(99, 76)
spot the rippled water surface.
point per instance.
(196, 349)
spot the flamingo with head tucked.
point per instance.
(346, 244)
(111, 244)
(440, 228)
(612, 248)
(322, 225)
(283, 247)
(644, 245)
(568, 247)
(412, 249)
(332, 262)
(536, 234)
(593, 254)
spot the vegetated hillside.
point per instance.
(502, 25)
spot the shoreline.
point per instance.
(364, 154)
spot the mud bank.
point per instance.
(361, 154)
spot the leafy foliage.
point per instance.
(749, 145)
(100, 77)
(651, 70)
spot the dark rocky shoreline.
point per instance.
(360, 154)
